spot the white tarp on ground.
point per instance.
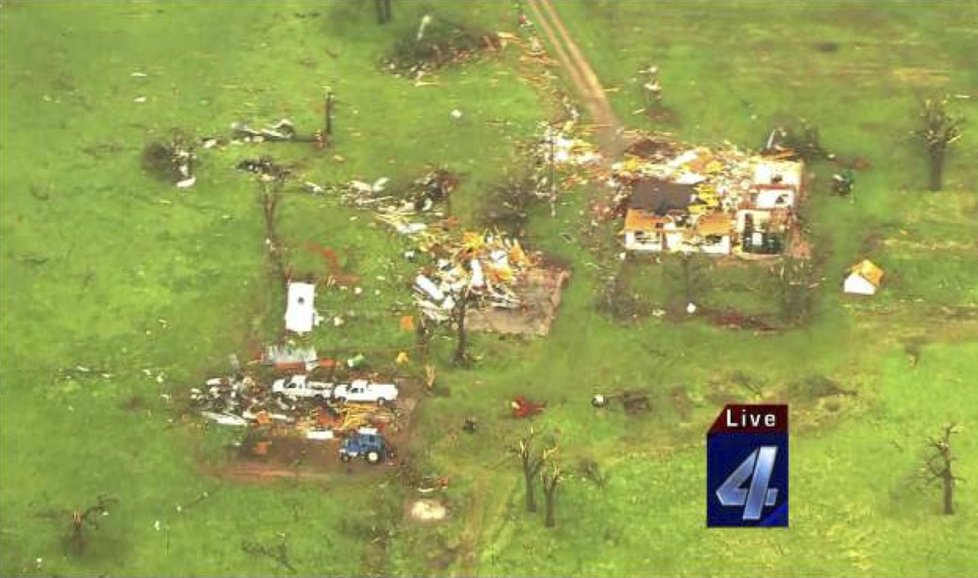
(300, 315)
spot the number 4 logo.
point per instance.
(757, 468)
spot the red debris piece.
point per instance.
(523, 407)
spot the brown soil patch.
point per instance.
(539, 292)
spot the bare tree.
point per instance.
(939, 128)
(271, 194)
(550, 478)
(531, 461)
(461, 357)
(937, 467)
(328, 105)
(795, 279)
(383, 11)
(81, 520)
(692, 275)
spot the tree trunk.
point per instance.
(936, 171)
(383, 11)
(948, 493)
(460, 350)
(329, 113)
(270, 200)
(531, 502)
(687, 284)
(550, 496)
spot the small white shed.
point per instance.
(864, 279)
(300, 314)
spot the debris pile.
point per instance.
(721, 178)
(435, 44)
(172, 161)
(266, 168)
(293, 358)
(718, 201)
(283, 130)
(557, 144)
(522, 407)
(291, 407)
(481, 266)
(402, 210)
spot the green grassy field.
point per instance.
(108, 268)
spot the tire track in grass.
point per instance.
(583, 78)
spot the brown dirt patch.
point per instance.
(539, 292)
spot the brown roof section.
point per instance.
(639, 220)
(660, 197)
(714, 224)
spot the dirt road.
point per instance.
(582, 76)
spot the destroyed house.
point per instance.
(764, 220)
(661, 197)
(714, 202)
(665, 216)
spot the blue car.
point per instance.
(372, 447)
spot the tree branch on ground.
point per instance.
(278, 553)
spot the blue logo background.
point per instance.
(725, 451)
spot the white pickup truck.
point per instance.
(299, 386)
(361, 390)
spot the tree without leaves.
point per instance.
(271, 194)
(938, 130)
(383, 11)
(81, 519)
(937, 467)
(795, 279)
(531, 461)
(550, 478)
(459, 312)
(691, 271)
(329, 102)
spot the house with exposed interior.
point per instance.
(696, 203)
